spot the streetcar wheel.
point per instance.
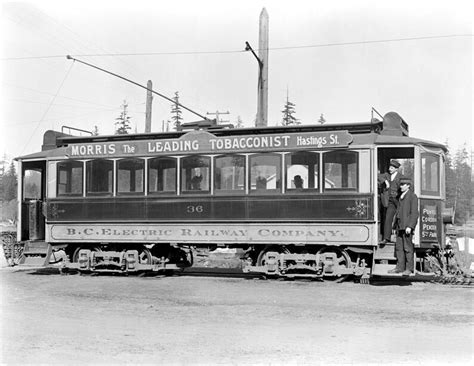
(342, 260)
(262, 256)
(75, 256)
(145, 256)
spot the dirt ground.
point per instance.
(47, 318)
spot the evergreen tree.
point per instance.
(321, 119)
(3, 164)
(176, 112)
(462, 172)
(459, 187)
(122, 124)
(9, 184)
(288, 114)
(239, 123)
(450, 179)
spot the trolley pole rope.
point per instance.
(69, 57)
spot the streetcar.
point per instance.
(280, 201)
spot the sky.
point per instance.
(336, 58)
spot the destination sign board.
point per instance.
(430, 221)
(205, 142)
(215, 233)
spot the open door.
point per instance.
(33, 193)
(384, 256)
(36, 251)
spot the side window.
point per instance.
(70, 178)
(229, 173)
(302, 170)
(265, 172)
(430, 174)
(195, 174)
(162, 175)
(340, 170)
(130, 176)
(99, 177)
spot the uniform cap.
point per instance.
(395, 163)
(405, 180)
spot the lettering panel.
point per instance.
(430, 221)
(215, 233)
(199, 142)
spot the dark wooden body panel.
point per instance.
(298, 208)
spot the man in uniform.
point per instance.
(393, 185)
(405, 223)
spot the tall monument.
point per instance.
(262, 102)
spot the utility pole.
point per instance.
(262, 59)
(262, 106)
(217, 114)
(149, 100)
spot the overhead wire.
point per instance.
(86, 43)
(47, 109)
(242, 51)
(28, 17)
(63, 97)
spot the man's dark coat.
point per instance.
(407, 213)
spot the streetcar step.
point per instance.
(385, 252)
(381, 269)
(35, 253)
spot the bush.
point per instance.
(9, 210)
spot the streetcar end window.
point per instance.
(32, 184)
(430, 171)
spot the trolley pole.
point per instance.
(69, 57)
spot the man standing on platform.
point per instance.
(405, 223)
(393, 185)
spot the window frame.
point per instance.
(182, 174)
(423, 191)
(88, 179)
(117, 168)
(176, 183)
(324, 154)
(317, 156)
(58, 177)
(238, 192)
(278, 175)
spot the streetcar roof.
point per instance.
(377, 139)
(51, 154)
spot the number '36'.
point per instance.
(195, 209)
